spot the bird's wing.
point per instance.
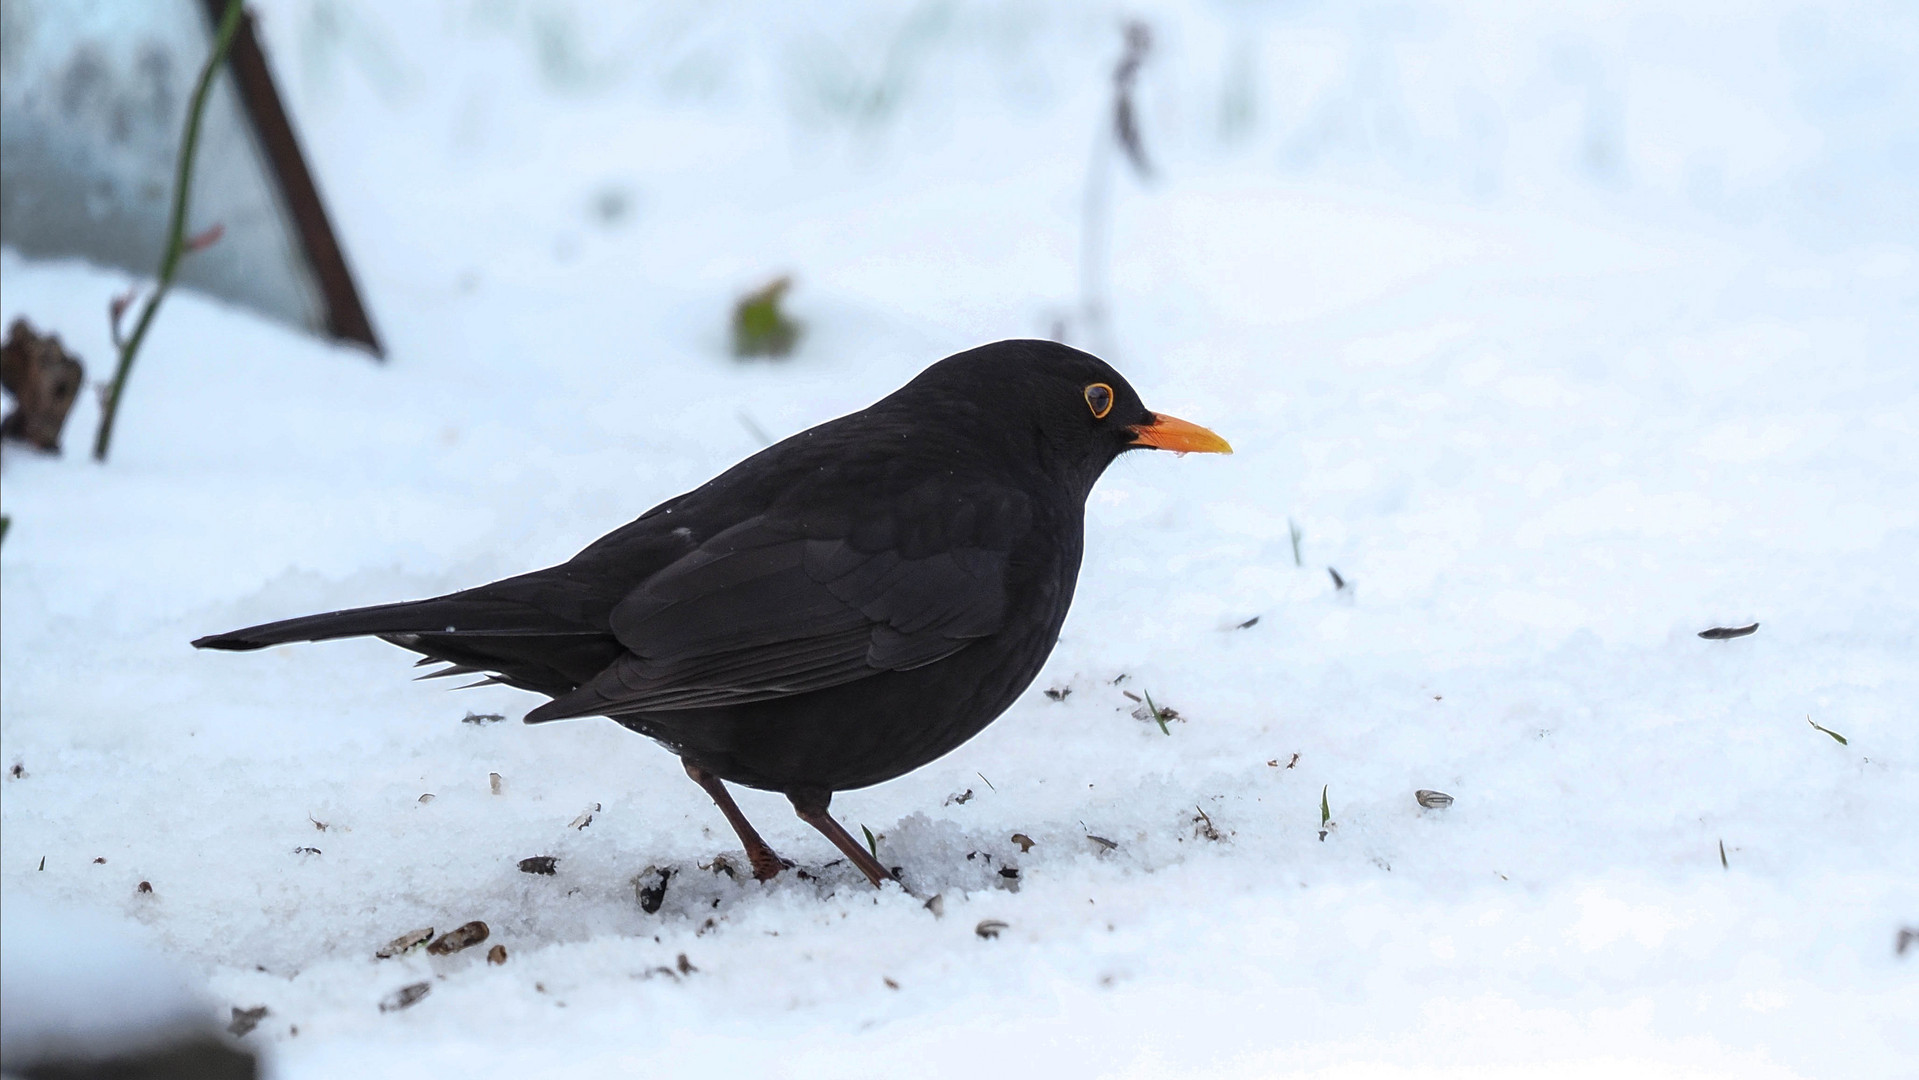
(787, 603)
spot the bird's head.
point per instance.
(1069, 406)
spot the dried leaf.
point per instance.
(44, 380)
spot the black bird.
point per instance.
(834, 611)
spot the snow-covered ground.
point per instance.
(1561, 337)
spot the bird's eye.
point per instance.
(1099, 398)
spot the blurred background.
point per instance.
(944, 164)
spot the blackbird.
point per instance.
(834, 611)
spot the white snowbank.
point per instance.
(77, 984)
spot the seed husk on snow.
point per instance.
(496, 783)
(585, 818)
(496, 955)
(1024, 841)
(1151, 710)
(540, 864)
(412, 939)
(405, 996)
(1723, 633)
(460, 937)
(1433, 800)
(652, 893)
(1104, 844)
(989, 928)
(245, 1020)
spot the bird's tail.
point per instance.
(530, 632)
(442, 615)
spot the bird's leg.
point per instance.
(810, 804)
(766, 864)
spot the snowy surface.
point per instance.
(1561, 338)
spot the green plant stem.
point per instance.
(1158, 716)
(176, 226)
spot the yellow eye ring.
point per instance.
(1099, 398)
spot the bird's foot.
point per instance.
(810, 805)
(766, 863)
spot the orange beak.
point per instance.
(1172, 433)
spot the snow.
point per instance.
(1561, 336)
(83, 983)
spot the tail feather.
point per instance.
(451, 669)
(513, 641)
(444, 615)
